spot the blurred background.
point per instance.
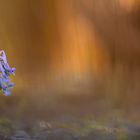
(77, 58)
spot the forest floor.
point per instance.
(70, 128)
(59, 117)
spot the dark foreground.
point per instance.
(70, 129)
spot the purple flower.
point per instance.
(5, 71)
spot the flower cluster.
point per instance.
(5, 72)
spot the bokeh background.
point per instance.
(78, 58)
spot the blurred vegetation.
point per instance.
(6, 128)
